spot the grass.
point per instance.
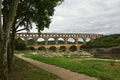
(25, 71)
(95, 68)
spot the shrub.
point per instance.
(20, 44)
(94, 53)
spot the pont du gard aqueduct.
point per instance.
(57, 36)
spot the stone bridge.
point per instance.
(79, 40)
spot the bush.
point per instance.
(20, 44)
(94, 53)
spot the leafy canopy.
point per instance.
(39, 12)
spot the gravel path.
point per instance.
(63, 73)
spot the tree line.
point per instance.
(106, 41)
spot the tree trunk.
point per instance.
(3, 69)
(10, 53)
(9, 61)
(4, 38)
(3, 60)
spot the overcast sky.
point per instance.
(86, 16)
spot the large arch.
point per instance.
(61, 41)
(31, 48)
(71, 41)
(51, 41)
(42, 48)
(73, 48)
(62, 49)
(52, 49)
(41, 41)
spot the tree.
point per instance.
(38, 12)
(4, 34)
(28, 12)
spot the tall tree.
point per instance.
(4, 34)
(38, 12)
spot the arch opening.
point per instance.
(88, 39)
(41, 41)
(51, 41)
(71, 41)
(42, 48)
(61, 41)
(52, 49)
(31, 48)
(30, 41)
(73, 48)
(62, 49)
(80, 40)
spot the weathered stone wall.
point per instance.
(113, 52)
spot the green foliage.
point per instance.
(113, 63)
(25, 71)
(94, 53)
(30, 42)
(20, 44)
(104, 42)
(95, 68)
(28, 12)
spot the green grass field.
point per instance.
(96, 68)
(25, 71)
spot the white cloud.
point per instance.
(87, 16)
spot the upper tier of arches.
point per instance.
(76, 37)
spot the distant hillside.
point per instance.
(104, 42)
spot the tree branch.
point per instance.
(23, 19)
(21, 29)
(20, 23)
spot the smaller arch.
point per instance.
(51, 41)
(41, 41)
(61, 41)
(80, 40)
(52, 49)
(62, 49)
(71, 41)
(73, 48)
(88, 39)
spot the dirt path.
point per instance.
(63, 73)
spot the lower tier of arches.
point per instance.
(57, 48)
